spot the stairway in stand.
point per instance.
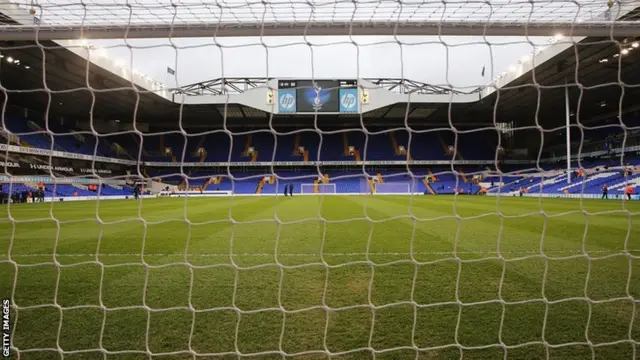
(216, 180)
(432, 177)
(426, 183)
(297, 152)
(445, 146)
(260, 186)
(296, 146)
(394, 143)
(247, 147)
(201, 141)
(463, 176)
(356, 154)
(345, 142)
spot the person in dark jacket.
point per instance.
(290, 189)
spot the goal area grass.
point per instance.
(353, 276)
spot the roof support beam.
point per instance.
(407, 28)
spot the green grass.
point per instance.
(400, 276)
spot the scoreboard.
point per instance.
(322, 96)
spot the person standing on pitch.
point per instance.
(286, 188)
(629, 191)
(605, 192)
(290, 189)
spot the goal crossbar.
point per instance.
(337, 28)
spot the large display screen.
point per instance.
(319, 95)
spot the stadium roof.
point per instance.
(62, 19)
(113, 97)
(523, 94)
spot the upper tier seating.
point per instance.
(220, 146)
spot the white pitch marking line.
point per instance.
(325, 254)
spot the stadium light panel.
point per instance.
(625, 51)
(1, 56)
(635, 45)
(10, 60)
(603, 60)
(616, 55)
(27, 67)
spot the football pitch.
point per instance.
(359, 277)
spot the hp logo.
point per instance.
(348, 101)
(287, 101)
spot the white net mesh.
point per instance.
(336, 276)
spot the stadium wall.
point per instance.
(195, 195)
(227, 194)
(567, 196)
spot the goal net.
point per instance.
(318, 189)
(212, 104)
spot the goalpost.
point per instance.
(115, 299)
(319, 189)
